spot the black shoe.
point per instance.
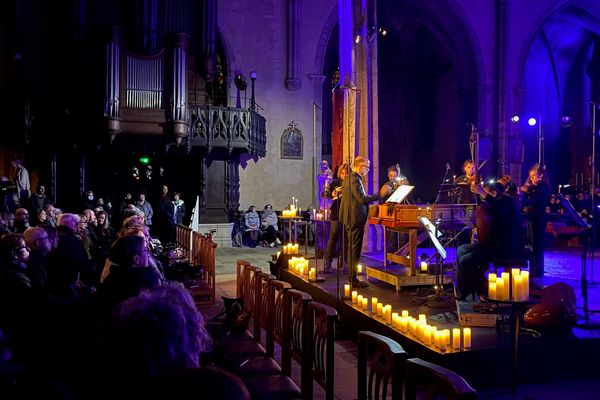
(359, 284)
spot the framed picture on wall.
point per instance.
(292, 142)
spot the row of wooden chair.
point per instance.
(304, 330)
(204, 256)
(385, 371)
(183, 236)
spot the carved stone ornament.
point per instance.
(293, 84)
(292, 142)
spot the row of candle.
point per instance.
(290, 248)
(509, 286)
(427, 334)
(299, 266)
(291, 213)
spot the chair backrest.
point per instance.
(296, 312)
(261, 291)
(380, 365)
(239, 269)
(248, 288)
(320, 342)
(204, 256)
(431, 381)
(276, 320)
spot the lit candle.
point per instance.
(346, 290)
(395, 322)
(403, 324)
(467, 337)
(312, 274)
(365, 303)
(423, 266)
(359, 301)
(492, 290)
(359, 268)
(500, 289)
(404, 313)
(388, 316)
(518, 288)
(354, 296)
(374, 301)
(278, 254)
(456, 338)
(380, 309)
(427, 336)
(437, 338)
(492, 277)
(423, 317)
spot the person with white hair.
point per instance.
(22, 181)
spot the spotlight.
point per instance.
(566, 121)
(515, 119)
(532, 121)
(357, 39)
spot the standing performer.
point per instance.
(354, 210)
(323, 181)
(334, 192)
(465, 181)
(536, 193)
(395, 180)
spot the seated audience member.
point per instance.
(21, 219)
(51, 216)
(40, 246)
(7, 223)
(251, 227)
(155, 333)
(128, 274)
(270, 231)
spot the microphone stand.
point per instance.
(437, 198)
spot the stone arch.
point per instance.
(328, 27)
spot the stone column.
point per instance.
(317, 81)
(502, 10)
(293, 81)
(177, 114)
(113, 79)
(208, 40)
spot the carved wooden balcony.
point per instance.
(235, 129)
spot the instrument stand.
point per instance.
(439, 298)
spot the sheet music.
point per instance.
(430, 227)
(400, 194)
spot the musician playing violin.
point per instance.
(395, 180)
(466, 181)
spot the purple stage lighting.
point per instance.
(532, 121)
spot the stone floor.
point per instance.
(561, 264)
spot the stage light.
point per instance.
(566, 121)
(515, 119)
(144, 160)
(357, 39)
(532, 121)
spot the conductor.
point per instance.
(354, 210)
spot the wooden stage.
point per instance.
(543, 356)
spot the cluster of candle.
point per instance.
(424, 266)
(299, 266)
(509, 286)
(321, 215)
(291, 213)
(290, 248)
(429, 335)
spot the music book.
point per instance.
(400, 194)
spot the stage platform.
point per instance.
(543, 356)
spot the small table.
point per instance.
(517, 309)
(295, 221)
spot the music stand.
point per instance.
(585, 237)
(439, 300)
(400, 194)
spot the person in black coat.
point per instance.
(536, 194)
(334, 192)
(353, 213)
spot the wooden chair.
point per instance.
(296, 308)
(239, 269)
(380, 365)
(431, 381)
(277, 321)
(204, 256)
(319, 344)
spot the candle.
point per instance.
(492, 290)
(388, 316)
(422, 317)
(365, 303)
(278, 254)
(395, 322)
(492, 277)
(525, 275)
(354, 296)
(374, 305)
(312, 274)
(427, 337)
(347, 290)
(467, 337)
(359, 268)
(379, 309)
(423, 266)
(456, 338)
(437, 338)
(404, 313)
(518, 288)
(403, 324)
(499, 289)
(359, 300)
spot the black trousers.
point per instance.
(335, 230)
(355, 234)
(472, 261)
